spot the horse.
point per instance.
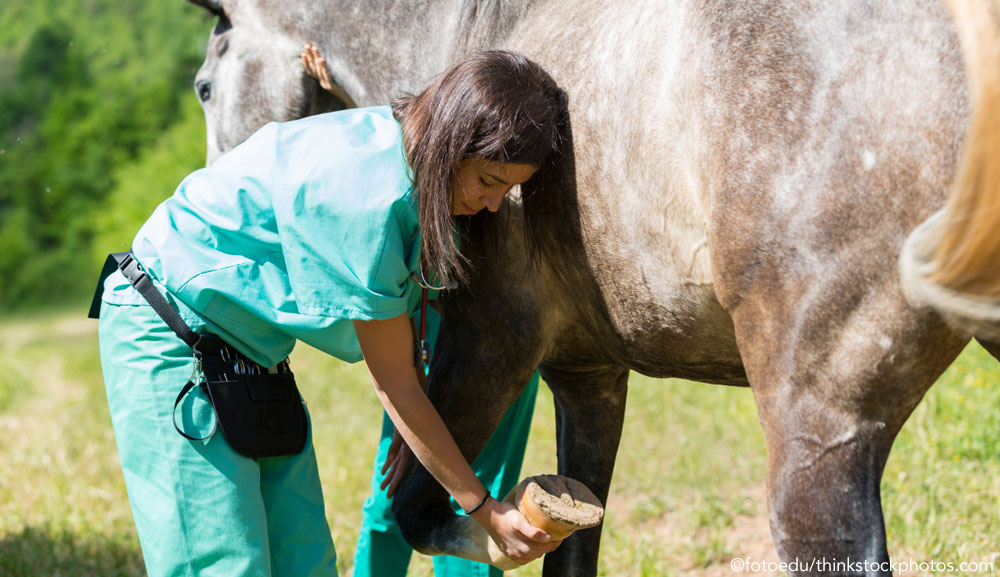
(742, 181)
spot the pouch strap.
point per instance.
(141, 282)
(180, 396)
(201, 344)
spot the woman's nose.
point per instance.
(493, 201)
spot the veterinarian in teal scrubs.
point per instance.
(381, 549)
(313, 230)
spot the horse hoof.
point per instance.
(558, 505)
(555, 504)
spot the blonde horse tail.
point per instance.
(952, 261)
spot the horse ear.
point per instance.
(213, 6)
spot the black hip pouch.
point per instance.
(259, 412)
(260, 415)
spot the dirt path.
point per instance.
(749, 539)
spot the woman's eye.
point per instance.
(484, 183)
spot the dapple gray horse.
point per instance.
(743, 177)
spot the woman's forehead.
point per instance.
(505, 172)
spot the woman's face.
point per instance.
(481, 183)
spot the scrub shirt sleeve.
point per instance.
(349, 262)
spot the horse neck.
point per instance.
(383, 49)
(392, 47)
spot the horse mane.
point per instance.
(486, 23)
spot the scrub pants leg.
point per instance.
(200, 508)
(382, 551)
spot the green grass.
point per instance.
(942, 483)
(687, 494)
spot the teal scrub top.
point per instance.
(304, 227)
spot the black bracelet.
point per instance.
(480, 505)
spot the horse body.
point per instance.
(631, 241)
(744, 173)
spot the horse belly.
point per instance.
(649, 257)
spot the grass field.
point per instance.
(687, 495)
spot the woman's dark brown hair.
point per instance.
(496, 105)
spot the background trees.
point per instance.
(98, 124)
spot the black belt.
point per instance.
(125, 262)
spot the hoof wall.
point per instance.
(558, 505)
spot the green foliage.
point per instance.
(86, 87)
(143, 184)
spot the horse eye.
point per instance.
(204, 90)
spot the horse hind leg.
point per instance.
(590, 413)
(832, 393)
(992, 347)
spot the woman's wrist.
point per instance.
(484, 514)
(479, 505)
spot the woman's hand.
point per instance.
(396, 461)
(316, 67)
(512, 533)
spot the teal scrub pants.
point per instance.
(200, 508)
(382, 551)
(203, 510)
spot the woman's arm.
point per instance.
(388, 349)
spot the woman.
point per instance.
(381, 550)
(314, 230)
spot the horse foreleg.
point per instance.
(472, 383)
(590, 411)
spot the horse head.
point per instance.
(252, 74)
